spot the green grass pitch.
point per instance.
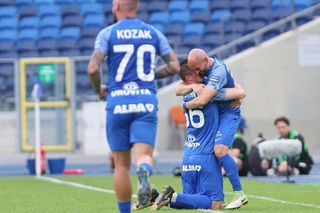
(28, 194)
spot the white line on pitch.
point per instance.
(79, 185)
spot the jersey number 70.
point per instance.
(128, 49)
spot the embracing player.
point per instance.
(131, 47)
(216, 75)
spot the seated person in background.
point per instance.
(239, 149)
(299, 164)
(254, 158)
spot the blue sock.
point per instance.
(193, 201)
(147, 167)
(124, 207)
(231, 169)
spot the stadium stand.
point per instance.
(42, 28)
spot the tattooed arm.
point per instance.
(171, 67)
(94, 73)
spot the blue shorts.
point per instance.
(201, 174)
(125, 129)
(228, 126)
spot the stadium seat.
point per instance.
(270, 34)
(231, 36)
(64, 2)
(71, 9)
(8, 23)
(276, 4)
(8, 54)
(262, 14)
(221, 15)
(242, 15)
(46, 44)
(46, 10)
(70, 32)
(50, 21)
(304, 19)
(180, 17)
(81, 67)
(183, 50)
(194, 29)
(25, 45)
(109, 20)
(29, 22)
(20, 3)
(201, 16)
(86, 44)
(192, 41)
(27, 54)
(9, 34)
(159, 17)
(245, 45)
(49, 32)
(236, 27)
(215, 27)
(177, 5)
(173, 29)
(71, 52)
(90, 9)
(6, 45)
(174, 40)
(72, 21)
(199, 5)
(91, 31)
(157, 6)
(239, 4)
(143, 16)
(220, 5)
(255, 25)
(29, 10)
(49, 53)
(302, 4)
(107, 9)
(67, 43)
(260, 4)
(27, 34)
(9, 11)
(85, 1)
(213, 40)
(280, 13)
(94, 20)
(44, 2)
(6, 3)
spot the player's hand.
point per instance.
(102, 94)
(198, 88)
(236, 103)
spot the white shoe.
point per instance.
(238, 200)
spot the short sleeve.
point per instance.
(102, 40)
(220, 96)
(163, 44)
(217, 78)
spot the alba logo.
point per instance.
(191, 168)
(133, 108)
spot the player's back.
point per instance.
(131, 47)
(202, 125)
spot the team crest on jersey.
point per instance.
(133, 108)
(191, 142)
(191, 168)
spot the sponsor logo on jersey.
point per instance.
(133, 108)
(214, 79)
(131, 88)
(191, 168)
(134, 34)
(191, 142)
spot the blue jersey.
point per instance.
(202, 125)
(131, 47)
(219, 77)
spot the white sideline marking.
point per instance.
(281, 201)
(79, 185)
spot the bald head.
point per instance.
(198, 60)
(125, 8)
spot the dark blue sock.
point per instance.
(124, 207)
(147, 167)
(231, 170)
(193, 201)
